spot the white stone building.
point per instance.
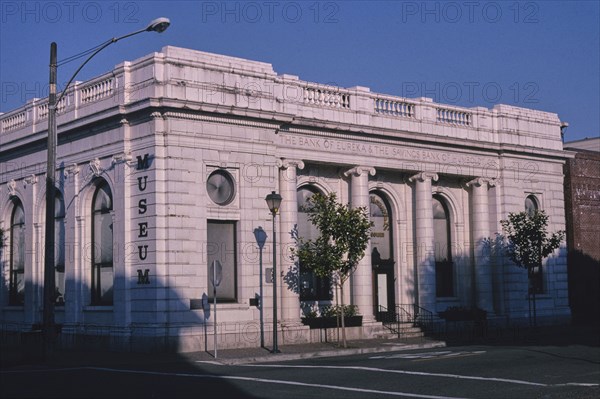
(164, 164)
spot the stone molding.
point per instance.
(359, 170)
(95, 167)
(422, 176)
(480, 181)
(285, 163)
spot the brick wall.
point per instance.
(582, 202)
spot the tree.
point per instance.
(527, 242)
(344, 233)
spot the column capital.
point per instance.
(95, 167)
(481, 181)
(422, 176)
(31, 179)
(284, 163)
(12, 188)
(71, 170)
(359, 170)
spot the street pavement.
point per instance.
(552, 363)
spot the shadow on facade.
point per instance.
(584, 287)
(116, 348)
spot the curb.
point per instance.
(282, 357)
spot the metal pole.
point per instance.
(260, 307)
(275, 348)
(215, 312)
(49, 278)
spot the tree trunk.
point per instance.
(342, 313)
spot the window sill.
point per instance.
(14, 308)
(93, 308)
(540, 296)
(227, 306)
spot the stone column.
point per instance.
(480, 230)
(288, 219)
(73, 278)
(424, 240)
(362, 278)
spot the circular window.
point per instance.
(220, 187)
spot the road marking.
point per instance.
(429, 355)
(419, 373)
(209, 362)
(250, 379)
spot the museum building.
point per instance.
(164, 164)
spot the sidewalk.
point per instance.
(313, 350)
(226, 356)
(549, 335)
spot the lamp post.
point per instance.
(158, 25)
(273, 202)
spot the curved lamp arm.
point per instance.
(158, 25)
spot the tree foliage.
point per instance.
(528, 240)
(344, 234)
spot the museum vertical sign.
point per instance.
(143, 164)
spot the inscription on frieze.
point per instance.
(460, 162)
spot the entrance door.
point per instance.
(383, 285)
(382, 257)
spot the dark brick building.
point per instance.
(582, 202)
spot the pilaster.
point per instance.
(288, 181)
(480, 227)
(362, 279)
(424, 240)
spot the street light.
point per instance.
(273, 202)
(158, 25)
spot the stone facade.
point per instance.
(190, 143)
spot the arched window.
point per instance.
(312, 287)
(381, 233)
(531, 205)
(444, 274)
(16, 294)
(537, 278)
(59, 251)
(102, 248)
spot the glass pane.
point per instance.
(380, 233)
(221, 247)
(18, 247)
(60, 286)
(59, 207)
(103, 199)
(306, 229)
(18, 214)
(530, 205)
(59, 237)
(103, 238)
(440, 231)
(20, 286)
(106, 285)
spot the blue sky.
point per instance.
(536, 54)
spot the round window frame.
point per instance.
(228, 177)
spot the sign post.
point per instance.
(261, 237)
(216, 274)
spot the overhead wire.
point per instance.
(82, 54)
